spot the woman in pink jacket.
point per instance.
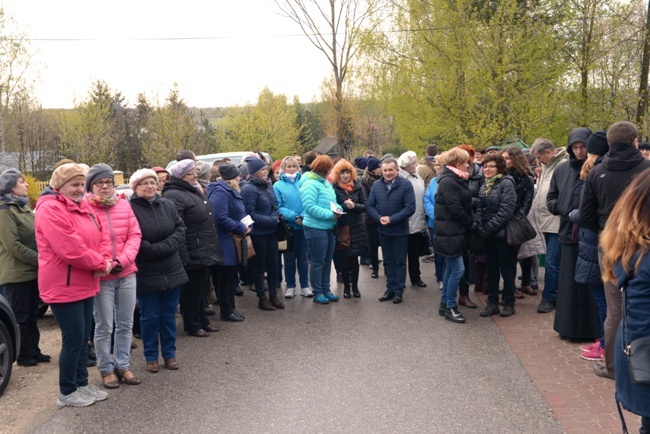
(115, 302)
(73, 252)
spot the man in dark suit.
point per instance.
(391, 203)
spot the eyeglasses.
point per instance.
(148, 184)
(490, 166)
(104, 183)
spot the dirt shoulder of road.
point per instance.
(30, 398)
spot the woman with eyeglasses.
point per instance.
(160, 270)
(73, 251)
(498, 203)
(115, 302)
(200, 250)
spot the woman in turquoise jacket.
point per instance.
(287, 190)
(320, 214)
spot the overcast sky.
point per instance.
(248, 46)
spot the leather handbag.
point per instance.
(342, 237)
(637, 351)
(243, 247)
(519, 230)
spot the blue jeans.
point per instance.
(453, 273)
(158, 316)
(114, 304)
(599, 295)
(394, 250)
(552, 267)
(297, 257)
(321, 250)
(75, 320)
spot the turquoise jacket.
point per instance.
(289, 202)
(317, 195)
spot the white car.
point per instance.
(235, 157)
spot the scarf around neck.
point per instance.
(347, 187)
(461, 174)
(20, 200)
(489, 182)
(101, 201)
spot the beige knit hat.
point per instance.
(65, 173)
(140, 175)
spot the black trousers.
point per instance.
(23, 297)
(501, 262)
(265, 261)
(414, 247)
(373, 245)
(193, 300)
(226, 278)
(349, 269)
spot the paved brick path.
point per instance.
(581, 401)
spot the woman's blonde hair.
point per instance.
(287, 160)
(453, 157)
(627, 231)
(234, 183)
(588, 165)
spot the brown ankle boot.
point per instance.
(526, 289)
(264, 304)
(464, 300)
(276, 302)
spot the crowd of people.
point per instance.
(109, 263)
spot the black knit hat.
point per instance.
(597, 143)
(228, 172)
(373, 163)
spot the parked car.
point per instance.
(235, 157)
(9, 342)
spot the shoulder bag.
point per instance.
(243, 247)
(284, 230)
(518, 229)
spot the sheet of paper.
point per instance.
(335, 208)
(248, 220)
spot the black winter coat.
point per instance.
(202, 246)
(525, 190)
(163, 237)
(564, 194)
(497, 208)
(475, 181)
(353, 218)
(453, 215)
(606, 183)
(366, 183)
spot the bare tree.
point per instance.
(642, 107)
(335, 28)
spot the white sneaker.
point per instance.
(93, 392)
(306, 292)
(75, 399)
(290, 293)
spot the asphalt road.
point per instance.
(353, 366)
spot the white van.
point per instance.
(235, 157)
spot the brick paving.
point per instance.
(581, 401)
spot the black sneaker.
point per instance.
(42, 358)
(452, 314)
(545, 306)
(508, 311)
(27, 362)
(490, 310)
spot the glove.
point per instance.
(485, 234)
(117, 269)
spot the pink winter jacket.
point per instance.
(123, 232)
(71, 246)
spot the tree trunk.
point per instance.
(642, 107)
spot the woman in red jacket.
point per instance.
(73, 252)
(115, 302)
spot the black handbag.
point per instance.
(519, 230)
(284, 230)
